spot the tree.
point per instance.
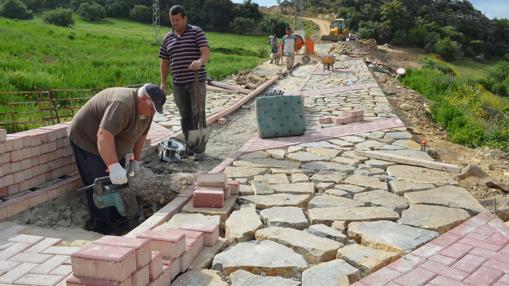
(274, 25)
(448, 49)
(241, 25)
(15, 9)
(92, 11)
(60, 17)
(141, 13)
(117, 9)
(219, 14)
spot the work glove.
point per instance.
(134, 166)
(195, 65)
(118, 175)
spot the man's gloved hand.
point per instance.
(196, 65)
(134, 166)
(118, 175)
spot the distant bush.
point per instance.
(92, 11)
(141, 13)
(117, 9)
(274, 25)
(59, 17)
(448, 49)
(497, 80)
(15, 9)
(241, 25)
(434, 64)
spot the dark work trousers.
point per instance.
(185, 99)
(90, 167)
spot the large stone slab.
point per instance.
(333, 273)
(420, 175)
(267, 163)
(243, 172)
(400, 187)
(294, 188)
(260, 188)
(373, 183)
(331, 201)
(244, 278)
(351, 189)
(337, 192)
(328, 215)
(411, 154)
(305, 157)
(257, 257)
(328, 153)
(341, 143)
(398, 135)
(276, 200)
(284, 217)
(313, 248)
(447, 196)
(390, 236)
(181, 219)
(440, 219)
(383, 198)
(277, 153)
(324, 231)
(299, 178)
(242, 224)
(323, 165)
(204, 277)
(328, 176)
(366, 259)
(273, 178)
(353, 139)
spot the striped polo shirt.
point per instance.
(182, 51)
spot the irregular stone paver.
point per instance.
(379, 163)
(369, 145)
(352, 189)
(341, 143)
(324, 152)
(242, 224)
(320, 144)
(448, 196)
(366, 259)
(353, 139)
(293, 149)
(383, 198)
(323, 186)
(330, 201)
(322, 165)
(409, 144)
(244, 278)
(400, 187)
(305, 157)
(277, 153)
(435, 218)
(273, 178)
(245, 190)
(297, 188)
(419, 175)
(328, 176)
(299, 178)
(266, 163)
(337, 192)
(333, 273)
(204, 258)
(390, 236)
(409, 153)
(346, 161)
(275, 200)
(259, 257)
(204, 277)
(181, 219)
(284, 217)
(398, 135)
(373, 183)
(339, 225)
(328, 215)
(313, 248)
(243, 172)
(261, 187)
(322, 230)
(254, 155)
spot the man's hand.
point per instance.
(196, 65)
(118, 175)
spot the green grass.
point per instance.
(98, 55)
(470, 69)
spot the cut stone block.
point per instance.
(184, 219)
(284, 217)
(328, 215)
(141, 246)
(104, 262)
(203, 277)
(244, 278)
(212, 180)
(210, 232)
(171, 243)
(141, 276)
(234, 186)
(440, 219)
(155, 265)
(333, 273)
(366, 259)
(173, 267)
(208, 198)
(223, 212)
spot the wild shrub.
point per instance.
(59, 17)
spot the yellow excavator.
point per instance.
(338, 31)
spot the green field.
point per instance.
(98, 55)
(470, 69)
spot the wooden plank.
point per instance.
(227, 86)
(409, 161)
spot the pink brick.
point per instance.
(481, 244)
(13, 250)
(6, 265)
(39, 279)
(37, 197)
(210, 232)
(208, 198)
(164, 279)
(497, 265)
(156, 265)
(212, 180)
(141, 276)
(16, 273)
(30, 257)
(497, 239)
(442, 259)
(502, 257)
(174, 265)
(63, 270)
(443, 270)
(104, 262)
(469, 263)
(456, 250)
(444, 281)
(415, 277)
(186, 259)
(3, 135)
(325, 120)
(482, 253)
(222, 121)
(30, 239)
(446, 239)
(504, 279)
(195, 245)
(427, 250)
(169, 243)
(61, 250)
(50, 264)
(5, 157)
(483, 276)
(82, 281)
(234, 186)
(380, 277)
(341, 120)
(141, 246)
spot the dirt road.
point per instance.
(323, 24)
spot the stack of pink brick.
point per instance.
(347, 117)
(211, 190)
(153, 258)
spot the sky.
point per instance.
(491, 8)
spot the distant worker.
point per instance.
(274, 49)
(112, 124)
(289, 49)
(185, 50)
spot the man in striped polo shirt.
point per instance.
(185, 50)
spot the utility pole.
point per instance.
(156, 21)
(299, 7)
